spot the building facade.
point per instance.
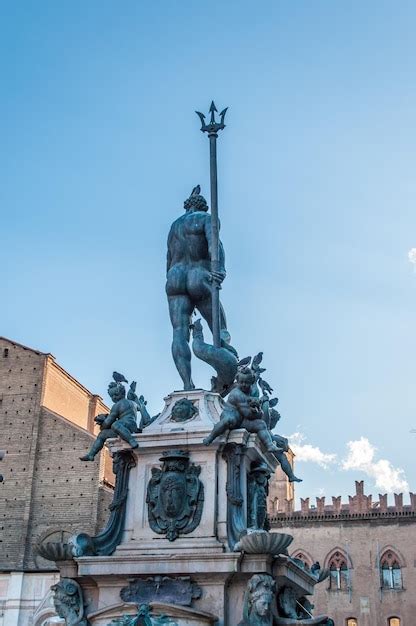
(281, 491)
(370, 550)
(46, 424)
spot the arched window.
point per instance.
(306, 560)
(394, 621)
(391, 575)
(338, 572)
(351, 621)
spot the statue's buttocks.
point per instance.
(188, 271)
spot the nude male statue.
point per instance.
(189, 278)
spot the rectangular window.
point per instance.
(334, 580)
(387, 578)
(397, 579)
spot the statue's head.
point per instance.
(245, 379)
(183, 410)
(67, 599)
(260, 593)
(260, 473)
(116, 391)
(195, 202)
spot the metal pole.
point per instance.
(215, 241)
(212, 129)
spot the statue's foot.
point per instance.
(188, 384)
(86, 457)
(295, 479)
(133, 444)
(206, 441)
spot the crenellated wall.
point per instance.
(358, 505)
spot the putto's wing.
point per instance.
(196, 190)
(244, 361)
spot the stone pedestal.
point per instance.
(197, 578)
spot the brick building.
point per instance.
(46, 424)
(281, 491)
(370, 550)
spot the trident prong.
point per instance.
(213, 127)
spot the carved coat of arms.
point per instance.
(175, 496)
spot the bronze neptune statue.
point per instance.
(189, 284)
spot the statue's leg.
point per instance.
(230, 422)
(180, 310)
(286, 467)
(123, 432)
(219, 429)
(205, 308)
(265, 437)
(95, 448)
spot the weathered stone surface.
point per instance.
(180, 590)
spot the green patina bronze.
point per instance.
(258, 601)
(122, 419)
(183, 410)
(242, 410)
(143, 618)
(258, 490)
(175, 496)
(103, 544)
(189, 286)
(69, 602)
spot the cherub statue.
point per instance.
(241, 410)
(122, 419)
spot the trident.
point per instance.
(212, 129)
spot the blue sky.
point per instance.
(101, 145)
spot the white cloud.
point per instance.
(411, 255)
(307, 452)
(360, 457)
